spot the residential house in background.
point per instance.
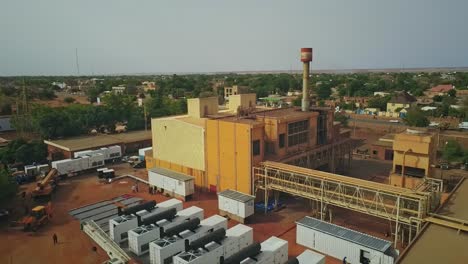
(149, 86)
(400, 101)
(234, 90)
(441, 89)
(118, 89)
(381, 94)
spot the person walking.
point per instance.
(54, 237)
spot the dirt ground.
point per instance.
(75, 247)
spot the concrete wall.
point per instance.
(200, 107)
(179, 142)
(242, 100)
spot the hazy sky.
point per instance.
(39, 37)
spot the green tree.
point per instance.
(342, 118)
(7, 187)
(452, 93)
(379, 102)
(324, 91)
(452, 151)
(415, 117)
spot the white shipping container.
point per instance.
(236, 203)
(96, 160)
(311, 257)
(82, 153)
(278, 247)
(172, 182)
(340, 242)
(114, 152)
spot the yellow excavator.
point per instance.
(46, 187)
(38, 216)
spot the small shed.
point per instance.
(341, 242)
(173, 183)
(236, 205)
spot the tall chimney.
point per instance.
(306, 58)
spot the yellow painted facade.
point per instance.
(201, 107)
(241, 100)
(229, 154)
(179, 142)
(416, 152)
(220, 150)
(392, 107)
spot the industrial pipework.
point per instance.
(306, 58)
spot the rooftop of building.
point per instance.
(426, 249)
(441, 88)
(402, 98)
(95, 141)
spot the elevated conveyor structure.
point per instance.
(105, 242)
(402, 206)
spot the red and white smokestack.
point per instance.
(306, 58)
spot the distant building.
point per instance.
(149, 86)
(60, 85)
(382, 149)
(118, 89)
(234, 90)
(399, 101)
(381, 94)
(441, 89)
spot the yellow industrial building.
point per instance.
(414, 153)
(219, 148)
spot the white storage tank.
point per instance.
(236, 205)
(277, 247)
(173, 183)
(311, 257)
(341, 242)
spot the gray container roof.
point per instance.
(235, 195)
(172, 174)
(346, 234)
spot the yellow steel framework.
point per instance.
(399, 205)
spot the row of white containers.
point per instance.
(237, 238)
(163, 249)
(112, 152)
(140, 237)
(120, 225)
(72, 166)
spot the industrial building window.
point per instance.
(298, 132)
(281, 140)
(375, 152)
(256, 147)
